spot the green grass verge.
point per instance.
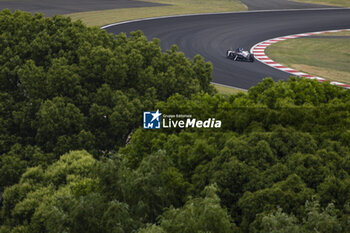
(176, 7)
(225, 90)
(327, 58)
(345, 33)
(341, 3)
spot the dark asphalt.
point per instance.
(212, 35)
(54, 7)
(278, 4)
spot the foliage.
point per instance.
(317, 220)
(70, 96)
(197, 215)
(64, 198)
(65, 86)
(238, 178)
(281, 145)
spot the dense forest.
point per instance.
(75, 158)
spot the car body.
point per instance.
(239, 54)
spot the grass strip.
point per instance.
(345, 33)
(175, 7)
(328, 58)
(226, 90)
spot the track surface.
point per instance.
(212, 35)
(54, 7)
(278, 4)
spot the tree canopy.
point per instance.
(72, 95)
(65, 86)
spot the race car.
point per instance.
(239, 55)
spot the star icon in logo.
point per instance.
(156, 115)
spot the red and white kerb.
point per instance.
(259, 53)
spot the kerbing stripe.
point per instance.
(298, 73)
(279, 67)
(308, 76)
(264, 59)
(259, 52)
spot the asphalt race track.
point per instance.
(278, 4)
(54, 7)
(211, 35)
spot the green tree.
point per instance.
(65, 86)
(317, 220)
(58, 120)
(198, 215)
(280, 222)
(290, 195)
(24, 204)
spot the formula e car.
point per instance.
(239, 55)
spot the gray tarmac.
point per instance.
(52, 7)
(279, 4)
(212, 35)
